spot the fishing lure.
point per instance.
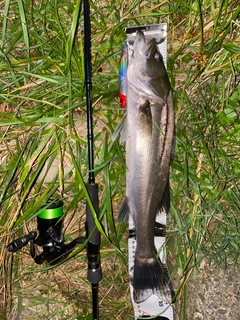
(123, 77)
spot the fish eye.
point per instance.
(157, 56)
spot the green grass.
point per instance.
(43, 126)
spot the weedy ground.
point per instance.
(43, 145)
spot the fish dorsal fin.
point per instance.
(123, 211)
(121, 128)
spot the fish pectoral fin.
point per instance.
(145, 108)
(146, 117)
(121, 128)
(123, 211)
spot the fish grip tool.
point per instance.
(155, 305)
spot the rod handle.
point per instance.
(90, 225)
(94, 264)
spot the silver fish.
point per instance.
(148, 129)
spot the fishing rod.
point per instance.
(49, 233)
(93, 247)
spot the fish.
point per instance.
(148, 131)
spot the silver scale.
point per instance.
(154, 305)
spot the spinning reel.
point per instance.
(49, 236)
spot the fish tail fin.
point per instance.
(151, 277)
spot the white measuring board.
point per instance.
(159, 306)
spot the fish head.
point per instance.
(146, 71)
(147, 59)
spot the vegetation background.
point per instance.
(43, 145)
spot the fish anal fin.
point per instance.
(165, 203)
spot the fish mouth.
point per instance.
(140, 37)
(139, 41)
(146, 48)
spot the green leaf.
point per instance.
(27, 167)
(232, 48)
(227, 116)
(187, 58)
